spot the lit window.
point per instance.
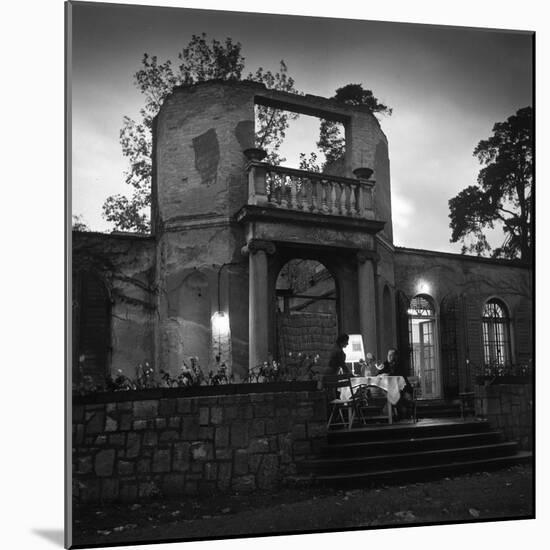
(496, 334)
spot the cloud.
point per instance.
(402, 214)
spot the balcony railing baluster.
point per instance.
(314, 192)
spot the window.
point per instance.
(496, 334)
(423, 342)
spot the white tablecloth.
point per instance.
(391, 384)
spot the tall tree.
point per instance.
(198, 62)
(503, 192)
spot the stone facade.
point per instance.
(459, 287)
(129, 450)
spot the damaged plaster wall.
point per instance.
(189, 267)
(125, 264)
(200, 183)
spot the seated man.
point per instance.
(391, 367)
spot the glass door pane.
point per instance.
(424, 358)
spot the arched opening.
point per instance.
(424, 345)
(92, 329)
(307, 320)
(496, 335)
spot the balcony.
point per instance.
(313, 192)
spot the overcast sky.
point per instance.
(447, 87)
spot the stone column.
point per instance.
(367, 299)
(258, 300)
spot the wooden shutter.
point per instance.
(403, 344)
(472, 307)
(522, 331)
(449, 319)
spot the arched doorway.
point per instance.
(423, 343)
(307, 321)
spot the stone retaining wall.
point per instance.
(509, 408)
(175, 446)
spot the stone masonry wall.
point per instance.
(135, 450)
(509, 408)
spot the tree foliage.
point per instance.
(331, 140)
(502, 196)
(78, 223)
(199, 61)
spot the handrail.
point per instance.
(314, 175)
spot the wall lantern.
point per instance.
(220, 324)
(423, 287)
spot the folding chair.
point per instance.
(467, 402)
(335, 385)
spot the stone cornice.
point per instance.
(252, 213)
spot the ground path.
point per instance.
(506, 493)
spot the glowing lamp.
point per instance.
(220, 323)
(423, 287)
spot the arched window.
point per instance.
(496, 334)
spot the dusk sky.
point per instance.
(447, 87)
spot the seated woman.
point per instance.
(390, 365)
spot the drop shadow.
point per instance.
(57, 536)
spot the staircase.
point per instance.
(404, 451)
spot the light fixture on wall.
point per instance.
(220, 323)
(220, 331)
(423, 287)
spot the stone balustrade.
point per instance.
(313, 192)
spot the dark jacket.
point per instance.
(337, 361)
(390, 368)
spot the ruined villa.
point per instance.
(249, 261)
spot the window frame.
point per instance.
(496, 334)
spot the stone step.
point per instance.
(407, 430)
(417, 443)
(416, 472)
(397, 460)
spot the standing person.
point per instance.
(337, 359)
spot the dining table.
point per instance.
(392, 385)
